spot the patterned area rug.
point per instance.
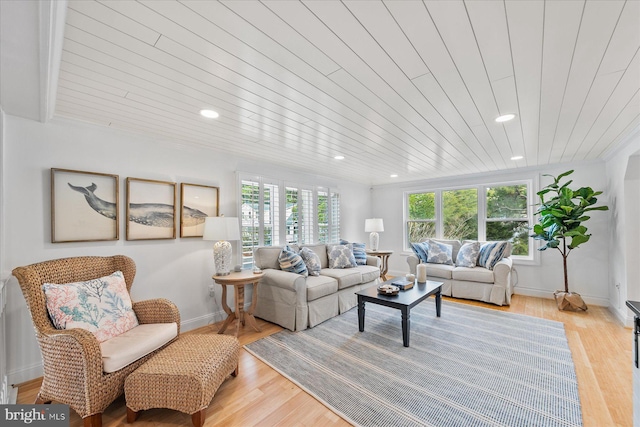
(471, 367)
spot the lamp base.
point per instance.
(222, 257)
(374, 239)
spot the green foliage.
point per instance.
(561, 217)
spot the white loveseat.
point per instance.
(476, 283)
(296, 302)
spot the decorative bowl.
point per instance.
(388, 290)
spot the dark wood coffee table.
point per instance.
(404, 301)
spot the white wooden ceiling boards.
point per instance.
(397, 87)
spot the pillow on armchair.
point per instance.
(102, 306)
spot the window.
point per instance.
(306, 215)
(483, 212)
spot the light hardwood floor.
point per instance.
(260, 396)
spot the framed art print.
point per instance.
(151, 209)
(84, 206)
(196, 203)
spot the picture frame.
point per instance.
(151, 209)
(84, 206)
(196, 203)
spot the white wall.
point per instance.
(588, 265)
(178, 270)
(624, 193)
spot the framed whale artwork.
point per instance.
(196, 203)
(151, 209)
(84, 206)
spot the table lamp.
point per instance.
(222, 229)
(373, 225)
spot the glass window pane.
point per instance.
(507, 201)
(417, 230)
(271, 210)
(335, 218)
(517, 232)
(292, 214)
(422, 206)
(323, 217)
(460, 214)
(250, 221)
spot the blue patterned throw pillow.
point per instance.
(468, 255)
(358, 250)
(421, 250)
(292, 262)
(340, 256)
(311, 260)
(439, 253)
(491, 253)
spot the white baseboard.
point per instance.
(540, 293)
(25, 374)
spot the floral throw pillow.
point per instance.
(102, 306)
(468, 255)
(359, 252)
(290, 261)
(439, 253)
(311, 260)
(341, 256)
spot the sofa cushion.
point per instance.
(320, 286)
(359, 252)
(292, 262)
(491, 253)
(102, 306)
(442, 271)
(473, 274)
(368, 273)
(468, 255)
(311, 260)
(439, 253)
(421, 249)
(120, 351)
(340, 256)
(345, 277)
(320, 249)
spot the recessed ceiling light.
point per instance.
(505, 118)
(517, 158)
(393, 175)
(209, 114)
(339, 157)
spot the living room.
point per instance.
(605, 271)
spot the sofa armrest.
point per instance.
(283, 279)
(373, 261)
(157, 310)
(502, 274)
(413, 261)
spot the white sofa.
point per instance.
(476, 283)
(296, 302)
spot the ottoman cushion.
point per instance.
(185, 375)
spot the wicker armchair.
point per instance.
(72, 360)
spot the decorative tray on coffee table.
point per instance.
(388, 290)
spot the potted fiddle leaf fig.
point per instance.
(561, 227)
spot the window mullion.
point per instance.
(482, 213)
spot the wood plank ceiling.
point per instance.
(396, 87)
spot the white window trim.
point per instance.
(532, 188)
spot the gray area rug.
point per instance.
(471, 367)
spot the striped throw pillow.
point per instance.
(421, 250)
(491, 253)
(312, 261)
(292, 262)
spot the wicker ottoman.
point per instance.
(184, 376)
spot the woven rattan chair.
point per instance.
(72, 359)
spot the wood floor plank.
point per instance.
(260, 396)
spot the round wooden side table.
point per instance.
(238, 280)
(384, 259)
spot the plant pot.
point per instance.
(569, 301)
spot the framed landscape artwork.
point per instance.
(196, 203)
(151, 209)
(84, 206)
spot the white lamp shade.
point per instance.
(373, 224)
(221, 228)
